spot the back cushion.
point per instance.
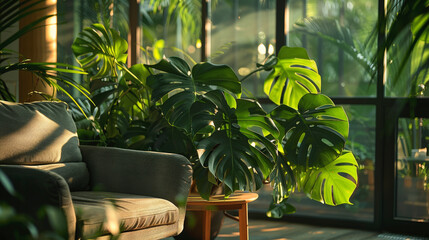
(37, 133)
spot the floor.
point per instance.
(274, 230)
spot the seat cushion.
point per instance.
(95, 216)
(37, 133)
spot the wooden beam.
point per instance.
(133, 48)
(39, 45)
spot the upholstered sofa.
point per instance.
(40, 153)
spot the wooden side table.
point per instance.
(219, 203)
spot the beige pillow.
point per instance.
(37, 133)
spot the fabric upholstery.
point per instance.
(39, 188)
(40, 153)
(37, 133)
(134, 212)
(74, 173)
(160, 175)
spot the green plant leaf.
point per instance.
(293, 52)
(139, 71)
(269, 63)
(292, 77)
(201, 176)
(12, 12)
(183, 86)
(277, 210)
(173, 65)
(282, 180)
(334, 183)
(251, 115)
(100, 49)
(202, 116)
(227, 155)
(316, 133)
(7, 184)
(253, 121)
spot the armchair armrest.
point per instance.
(37, 188)
(154, 174)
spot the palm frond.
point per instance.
(406, 23)
(330, 30)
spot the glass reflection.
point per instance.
(412, 164)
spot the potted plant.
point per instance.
(295, 146)
(199, 112)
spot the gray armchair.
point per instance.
(39, 152)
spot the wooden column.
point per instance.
(39, 45)
(133, 47)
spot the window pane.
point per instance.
(335, 33)
(414, 77)
(412, 164)
(362, 143)
(169, 29)
(242, 34)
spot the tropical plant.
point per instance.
(122, 106)
(407, 38)
(299, 144)
(52, 74)
(198, 112)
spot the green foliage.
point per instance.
(406, 26)
(100, 49)
(240, 145)
(198, 112)
(316, 133)
(227, 152)
(123, 113)
(187, 11)
(183, 86)
(332, 184)
(278, 210)
(293, 76)
(330, 30)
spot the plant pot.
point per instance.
(193, 227)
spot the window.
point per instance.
(241, 34)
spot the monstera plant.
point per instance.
(297, 146)
(200, 112)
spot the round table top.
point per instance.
(238, 197)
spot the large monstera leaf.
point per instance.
(316, 133)
(101, 50)
(227, 153)
(183, 86)
(253, 121)
(334, 183)
(293, 76)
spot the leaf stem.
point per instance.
(252, 72)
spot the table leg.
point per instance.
(243, 222)
(206, 224)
